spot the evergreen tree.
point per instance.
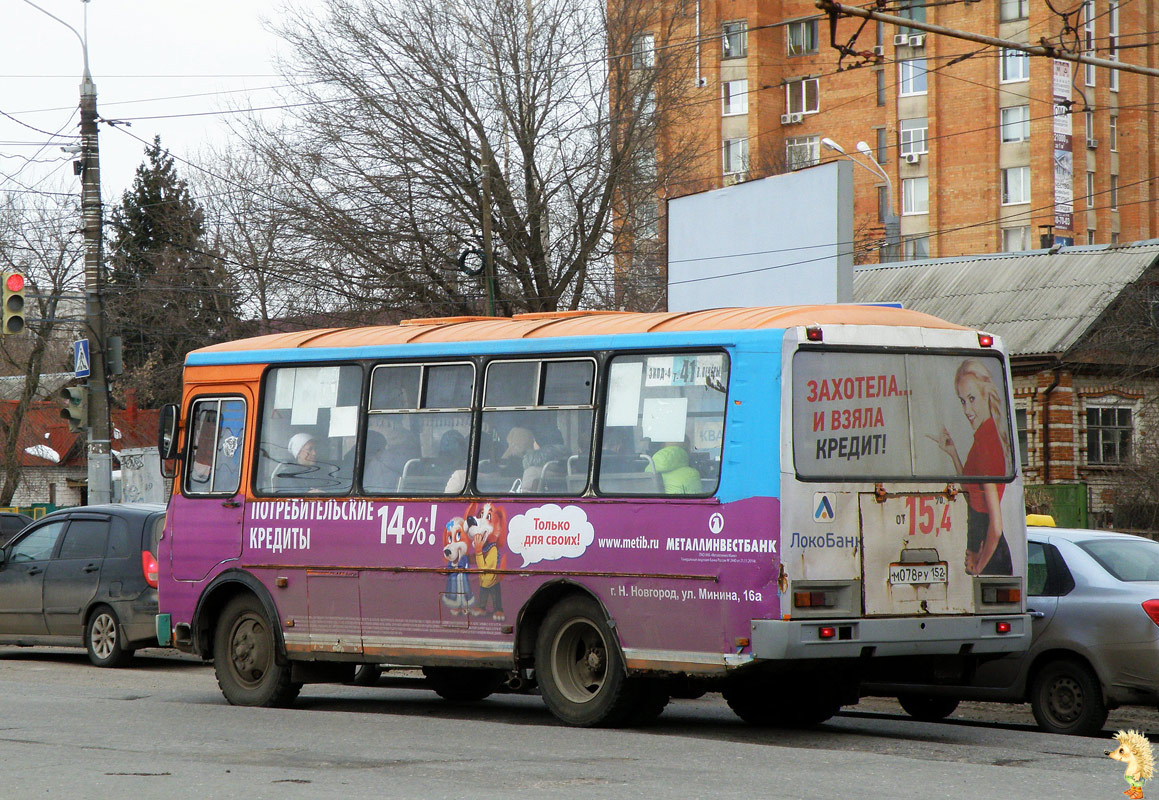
(168, 293)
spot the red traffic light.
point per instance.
(14, 282)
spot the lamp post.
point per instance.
(100, 484)
(890, 219)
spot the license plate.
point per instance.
(918, 573)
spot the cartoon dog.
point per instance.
(487, 525)
(457, 595)
(1135, 751)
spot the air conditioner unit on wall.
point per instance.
(1092, 143)
(917, 40)
(795, 118)
(901, 39)
(786, 119)
(912, 158)
(878, 50)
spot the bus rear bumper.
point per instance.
(894, 636)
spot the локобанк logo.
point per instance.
(823, 504)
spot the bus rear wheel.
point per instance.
(579, 668)
(245, 657)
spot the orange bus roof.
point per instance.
(586, 323)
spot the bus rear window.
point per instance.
(898, 416)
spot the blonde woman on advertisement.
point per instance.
(987, 552)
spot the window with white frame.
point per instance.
(1089, 39)
(1015, 186)
(736, 156)
(1114, 133)
(912, 76)
(882, 145)
(915, 196)
(912, 9)
(1113, 42)
(734, 37)
(1090, 235)
(915, 247)
(646, 218)
(1012, 9)
(802, 151)
(1015, 66)
(1114, 193)
(1089, 119)
(879, 77)
(802, 96)
(1090, 191)
(802, 37)
(912, 135)
(734, 98)
(644, 51)
(1110, 430)
(1016, 124)
(1016, 239)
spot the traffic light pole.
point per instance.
(100, 483)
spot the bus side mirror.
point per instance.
(167, 439)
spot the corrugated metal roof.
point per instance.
(1039, 302)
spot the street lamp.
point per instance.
(892, 223)
(100, 483)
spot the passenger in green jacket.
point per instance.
(672, 464)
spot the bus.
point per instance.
(608, 508)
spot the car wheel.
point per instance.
(1066, 698)
(927, 707)
(245, 657)
(758, 701)
(105, 639)
(367, 675)
(463, 684)
(579, 668)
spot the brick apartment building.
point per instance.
(977, 159)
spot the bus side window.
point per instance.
(216, 440)
(668, 409)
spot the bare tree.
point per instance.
(412, 118)
(38, 238)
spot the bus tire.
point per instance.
(1066, 698)
(758, 703)
(105, 639)
(927, 707)
(463, 684)
(245, 657)
(579, 668)
(650, 697)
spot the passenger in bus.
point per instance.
(987, 552)
(532, 450)
(672, 464)
(386, 456)
(305, 473)
(452, 459)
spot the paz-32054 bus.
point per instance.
(613, 508)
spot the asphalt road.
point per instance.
(160, 729)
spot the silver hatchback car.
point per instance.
(1094, 600)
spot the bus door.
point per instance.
(207, 516)
(913, 547)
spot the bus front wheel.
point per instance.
(244, 657)
(579, 668)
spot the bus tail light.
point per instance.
(814, 599)
(985, 340)
(1152, 609)
(1002, 626)
(149, 567)
(813, 333)
(1001, 594)
(826, 632)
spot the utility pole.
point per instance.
(100, 472)
(100, 483)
